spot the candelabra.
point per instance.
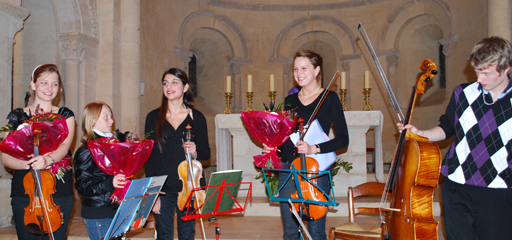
(343, 95)
(366, 93)
(272, 95)
(229, 95)
(249, 100)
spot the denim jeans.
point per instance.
(18, 208)
(164, 222)
(316, 228)
(97, 228)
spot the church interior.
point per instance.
(116, 52)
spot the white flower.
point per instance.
(22, 125)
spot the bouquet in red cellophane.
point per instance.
(20, 142)
(115, 157)
(271, 127)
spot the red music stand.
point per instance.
(220, 189)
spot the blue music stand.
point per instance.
(134, 209)
(302, 173)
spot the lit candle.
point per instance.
(366, 79)
(249, 83)
(228, 84)
(272, 82)
(343, 81)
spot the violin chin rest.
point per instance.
(34, 229)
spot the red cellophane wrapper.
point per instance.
(271, 129)
(114, 157)
(20, 143)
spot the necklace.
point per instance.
(302, 94)
(486, 103)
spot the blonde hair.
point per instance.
(92, 112)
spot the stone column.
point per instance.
(12, 17)
(235, 65)
(130, 65)
(498, 12)
(72, 53)
(185, 57)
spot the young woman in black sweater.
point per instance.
(166, 126)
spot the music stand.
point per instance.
(303, 174)
(220, 205)
(134, 209)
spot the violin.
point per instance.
(42, 216)
(308, 190)
(190, 172)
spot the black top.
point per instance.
(17, 117)
(167, 161)
(95, 185)
(331, 112)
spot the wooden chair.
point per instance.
(360, 230)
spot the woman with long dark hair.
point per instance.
(166, 125)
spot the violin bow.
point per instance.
(191, 174)
(398, 110)
(36, 175)
(322, 99)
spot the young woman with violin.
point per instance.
(95, 185)
(167, 126)
(307, 72)
(47, 86)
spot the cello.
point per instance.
(190, 172)
(42, 216)
(413, 177)
(415, 170)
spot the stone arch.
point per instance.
(221, 23)
(410, 10)
(327, 30)
(223, 32)
(315, 23)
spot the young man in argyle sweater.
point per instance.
(477, 187)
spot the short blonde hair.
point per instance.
(92, 112)
(492, 51)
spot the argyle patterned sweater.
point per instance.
(480, 154)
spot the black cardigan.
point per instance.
(167, 161)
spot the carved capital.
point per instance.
(16, 16)
(345, 66)
(236, 64)
(446, 43)
(72, 45)
(185, 56)
(392, 61)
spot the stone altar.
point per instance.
(235, 149)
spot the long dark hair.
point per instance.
(188, 100)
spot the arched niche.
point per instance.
(211, 49)
(324, 44)
(314, 32)
(208, 19)
(232, 45)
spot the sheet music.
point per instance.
(316, 135)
